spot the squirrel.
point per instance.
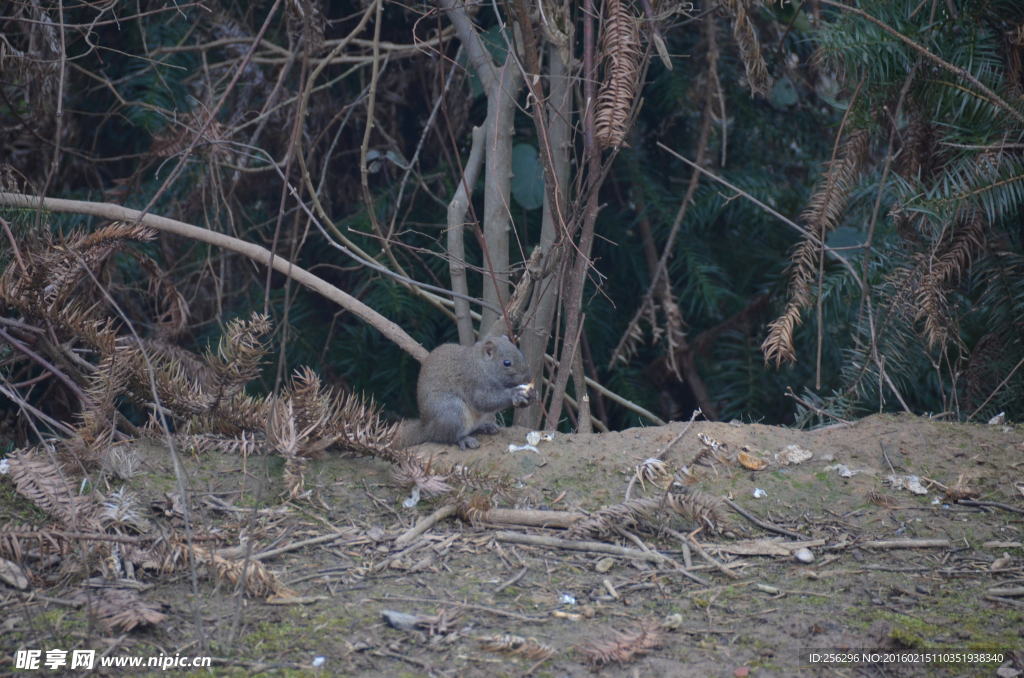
(461, 388)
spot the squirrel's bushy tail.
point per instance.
(410, 432)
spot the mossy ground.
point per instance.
(765, 622)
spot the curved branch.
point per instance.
(253, 251)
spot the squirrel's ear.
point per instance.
(489, 348)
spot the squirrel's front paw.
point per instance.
(522, 395)
(469, 442)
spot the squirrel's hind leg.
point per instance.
(448, 420)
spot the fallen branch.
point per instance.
(593, 546)
(905, 544)
(761, 523)
(562, 519)
(468, 606)
(424, 524)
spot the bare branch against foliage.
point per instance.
(822, 215)
(621, 55)
(758, 79)
(250, 250)
(622, 646)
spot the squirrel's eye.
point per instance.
(506, 363)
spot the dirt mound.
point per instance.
(892, 572)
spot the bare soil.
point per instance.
(764, 622)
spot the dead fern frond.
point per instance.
(19, 541)
(413, 472)
(46, 486)
(172, 308)
(259, 581)
(240, 352)
(945, 266)
(54, 269)
(67, 263)
(529, 648)
(120, 610)
(244, 443)
(649, 512)
(822, 215)
(698, 507)
(916, 159)
(621, 55)
(758, 79)
(651, 470)
(472, 510)
(610, 519)
(121, 509)
(980, 372)
(881, 499)
(107, 383)
(622, 646)
(633, 334)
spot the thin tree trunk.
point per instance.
(456, 227)
(498, 129)
(537, 330)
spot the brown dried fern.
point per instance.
(621, 55)
(822, 215)
(120, 610)
(697, 507)
(19, 541)
(54, 268)
(945, 266)
(622, 646)
(530, 648)
(46, 486)
(758, 79)
(259, 581)
(107, 383)
(917, 154)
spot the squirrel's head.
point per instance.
(507, 362)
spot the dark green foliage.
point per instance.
(937, 317)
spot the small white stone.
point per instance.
(804, 555)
